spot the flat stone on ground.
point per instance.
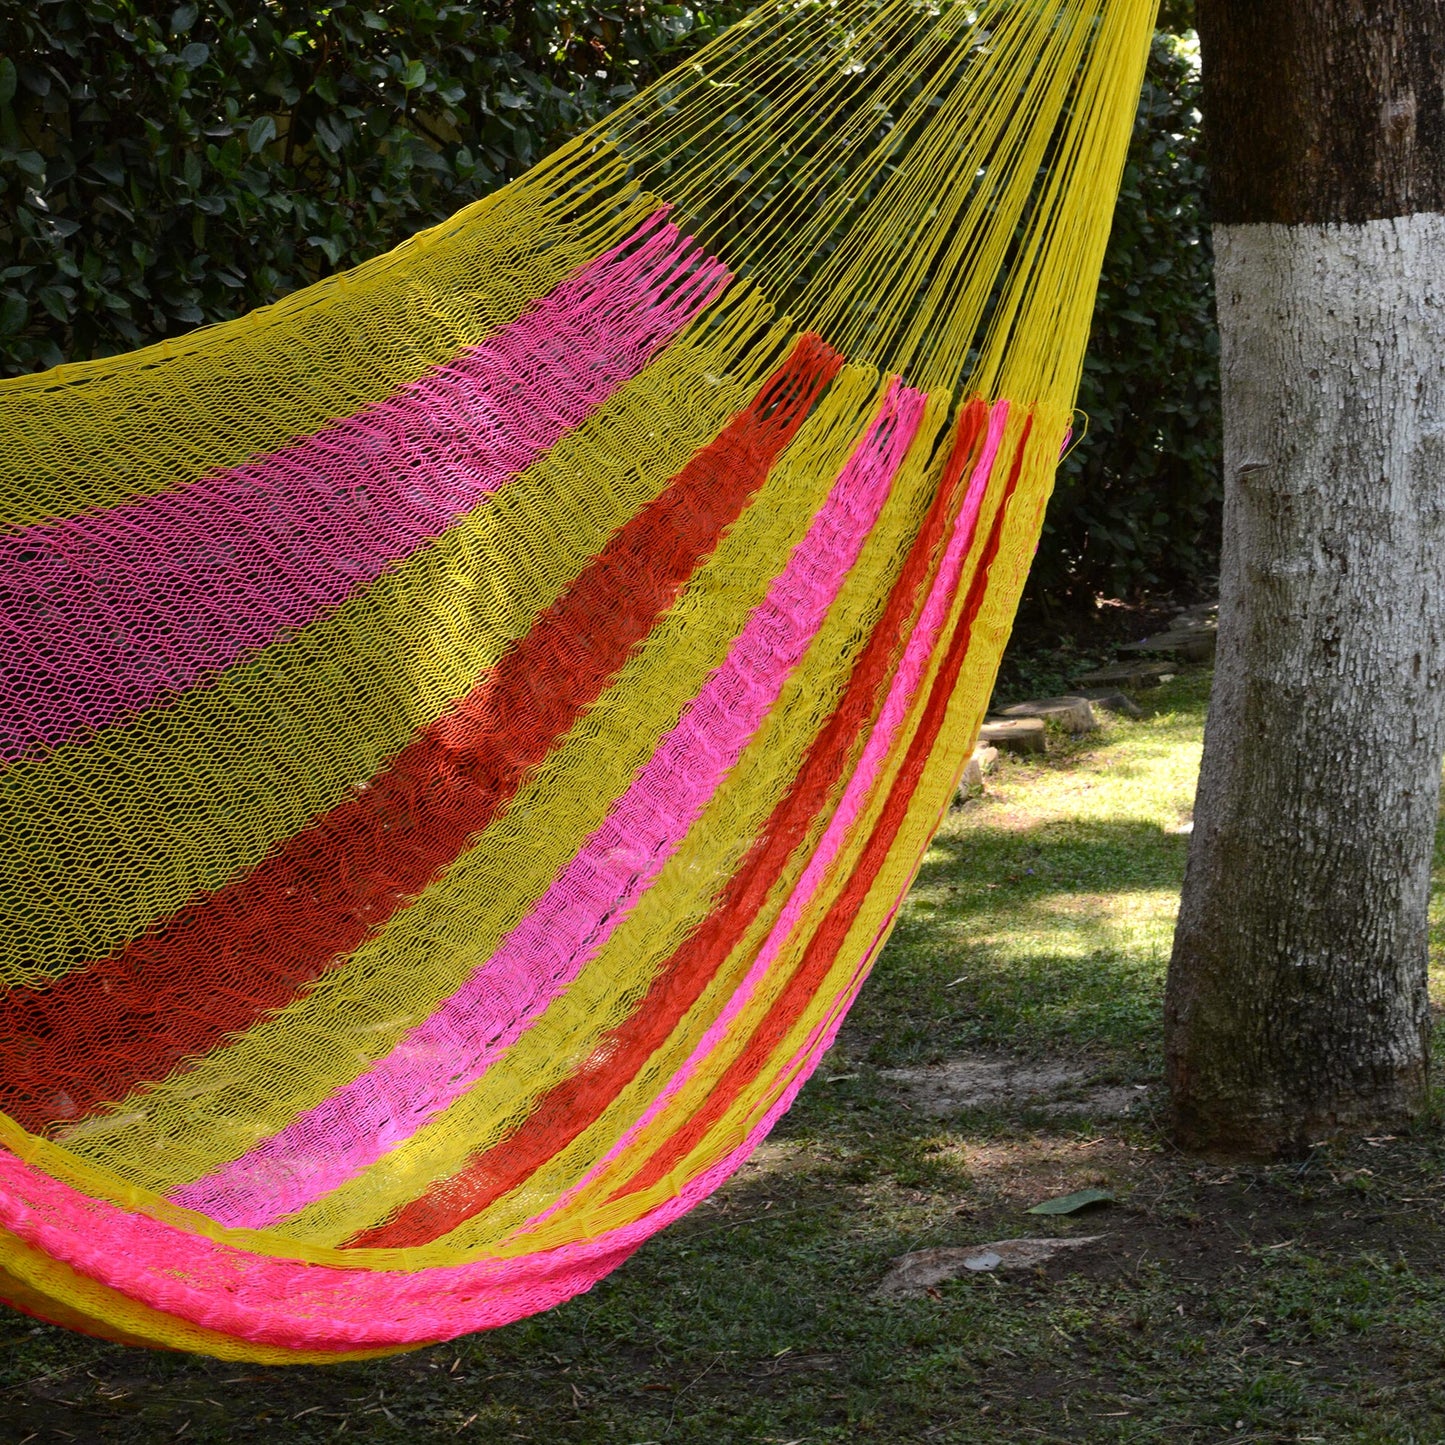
(917, 1273)
(975, 1081)
(1073, 714)
(1195, 644)
(1126, 674)
(980, 765)
(1206, 612)
(1015, 735)
(1112, 700)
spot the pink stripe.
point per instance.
(900, 693)
(102, 614)
(444, 1056)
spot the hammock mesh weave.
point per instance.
(468, 728)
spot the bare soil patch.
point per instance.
(983, 1081)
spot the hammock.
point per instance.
(468, 728)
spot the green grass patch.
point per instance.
(1043, 914)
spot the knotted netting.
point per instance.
(467, 729)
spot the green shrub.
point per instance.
(163, 167)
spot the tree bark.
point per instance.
(1296, 1005)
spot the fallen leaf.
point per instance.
(1072, 1203)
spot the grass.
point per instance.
(1296, 1303)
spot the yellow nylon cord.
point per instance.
(182, 1128)
(926, 183)
(604, 993)
(121, 829)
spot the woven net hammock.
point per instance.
(468, 728)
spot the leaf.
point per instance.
(260, 133)
(182, 18)
(9, 79)
(194, 55)
(55, 299)
(330, 135)
(13, 312)
(414, 76)
(1072, 1203)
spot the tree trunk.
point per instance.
(1296, 1005)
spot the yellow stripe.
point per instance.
(684, 894)
(262, 380)
(104, 836)
(185, 1126)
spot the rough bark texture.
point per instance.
(1324, 110)
(1296, 1005)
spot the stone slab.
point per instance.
(1073, 714)
(912, 1275)
(1015, 735)
(1139, 674)
(1112, 700)
(1195, 644)
(1194, 622)
(1208, 610)
(980, 765)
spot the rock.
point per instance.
(980, 765)
(1073, 1203)
(1191, 622)
(917, 1273)
(1137, 675)
(1202, 613)
(1113, 701)
(1193, 644)
(1073, 714)
(1015, 735)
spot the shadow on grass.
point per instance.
(1052, 937)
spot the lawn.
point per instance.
(1006, 1051)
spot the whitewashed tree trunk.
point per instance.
(1297, 1003)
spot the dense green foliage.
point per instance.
(162, 167)
(1138, 503)
(165, 167)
